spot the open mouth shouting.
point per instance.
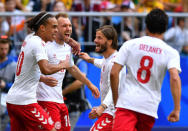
(67, 35)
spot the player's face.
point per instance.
(101, 42)
(51, 29)
(64, 27)
(4, 50)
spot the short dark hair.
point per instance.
(110, 33)
(5, 40)
(40, 19)
(156, 21)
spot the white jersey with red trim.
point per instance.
(147, 59)
(56, 52)
(105, 88)
(23, 90)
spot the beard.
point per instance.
(103, 48)
(2, 57)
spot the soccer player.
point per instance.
(106, 43)
(25, 113)
(51, 99)
(147, 59)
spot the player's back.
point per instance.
(147, 60)
(23, 91)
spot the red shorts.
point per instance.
(104, 123)
(28, 118)
(59, 114)
(127, 120)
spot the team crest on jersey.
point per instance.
(58, 125)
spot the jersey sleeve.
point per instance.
(122, 55)
(38, 50)
(108, 99)
(174, 61)
(98, 62)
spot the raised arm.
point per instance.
(95, 61)
(86, 57)
(74, 44)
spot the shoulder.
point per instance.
(31, 38)
(170, 51)
(50, 44)
(67, 46)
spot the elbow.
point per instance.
(113, 74)
(45, 72)
(175, 78)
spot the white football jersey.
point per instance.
(147, 59)
(56, 52)
(105, 88)
(23, 91)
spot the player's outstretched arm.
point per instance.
(76, 73)
(86, 57)
(175, 85)
(97, 62)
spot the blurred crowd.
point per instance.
(132, 26)
(94, 5)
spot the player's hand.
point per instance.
(74, 44)
(94, 90)
(65, 63)
(84, 56)
(174, 116)
(93, 113)
(48, 80)
(96, 112)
